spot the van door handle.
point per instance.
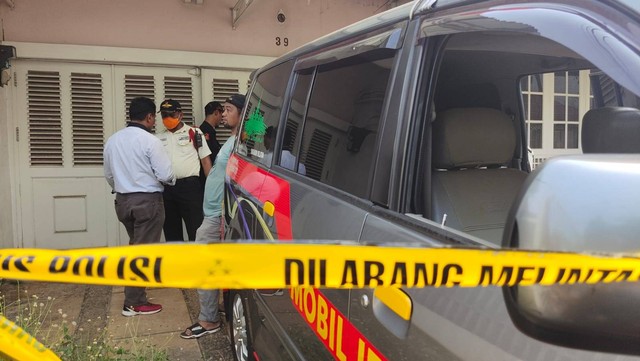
(393, 308)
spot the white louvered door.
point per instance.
(157, 84)
(63, 114)
(218, 85)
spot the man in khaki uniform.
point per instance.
(188, 151)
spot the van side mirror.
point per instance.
(583, 203)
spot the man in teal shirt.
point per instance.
(209, 319)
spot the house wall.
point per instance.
(148, 35)
(6, 182)
(176, 25)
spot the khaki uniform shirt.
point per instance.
(185, 160)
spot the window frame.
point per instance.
(304, 124)
(343, 50)
(285, 120)
(246, 111)
(441, 25)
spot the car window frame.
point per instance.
(433, 28)
(245, 112)
(316, 59)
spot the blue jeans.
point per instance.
(209, 232)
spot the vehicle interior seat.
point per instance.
(471, 184)
(611, 130)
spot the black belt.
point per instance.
(187, 179)
(134, 193)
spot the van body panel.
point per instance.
(459, 55)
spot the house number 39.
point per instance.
(282, 41)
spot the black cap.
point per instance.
(237, 100)
(170, 106)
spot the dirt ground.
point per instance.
(55, 305)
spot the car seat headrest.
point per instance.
(611, 130)
(472, 137)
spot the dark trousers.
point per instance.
(142, 215)
(182, 202)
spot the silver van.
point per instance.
(413, 128)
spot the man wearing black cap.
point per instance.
(209, 318)
(188, 152)
(213, 118)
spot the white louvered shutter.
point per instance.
(222, 89)
(181, 89)
(45, 118)
(137, 86)
(87, 117)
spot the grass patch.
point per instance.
(53, 328)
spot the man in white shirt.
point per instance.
(136, 167)
(188, 151)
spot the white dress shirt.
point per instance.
(135, 161)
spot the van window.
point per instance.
(554, 121)
(263, 113)
(531, 88)
(492, 96)
(553, 105)
(477, 135)
(342, 120)
(290, 148)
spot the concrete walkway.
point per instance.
(161, 330)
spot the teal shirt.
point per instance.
(214, 186)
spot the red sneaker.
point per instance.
(144, 309)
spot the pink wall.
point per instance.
(174, 25)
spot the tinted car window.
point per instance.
(633, 4)
(263, 113)
(289, 154)
(343, 115)
(554, 123)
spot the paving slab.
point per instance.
(160, 330)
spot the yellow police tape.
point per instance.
(19, 345)
(253, 265)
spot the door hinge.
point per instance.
(17, 134)
(15, 79)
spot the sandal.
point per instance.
(196, 331)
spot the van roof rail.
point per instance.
(421, 5)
